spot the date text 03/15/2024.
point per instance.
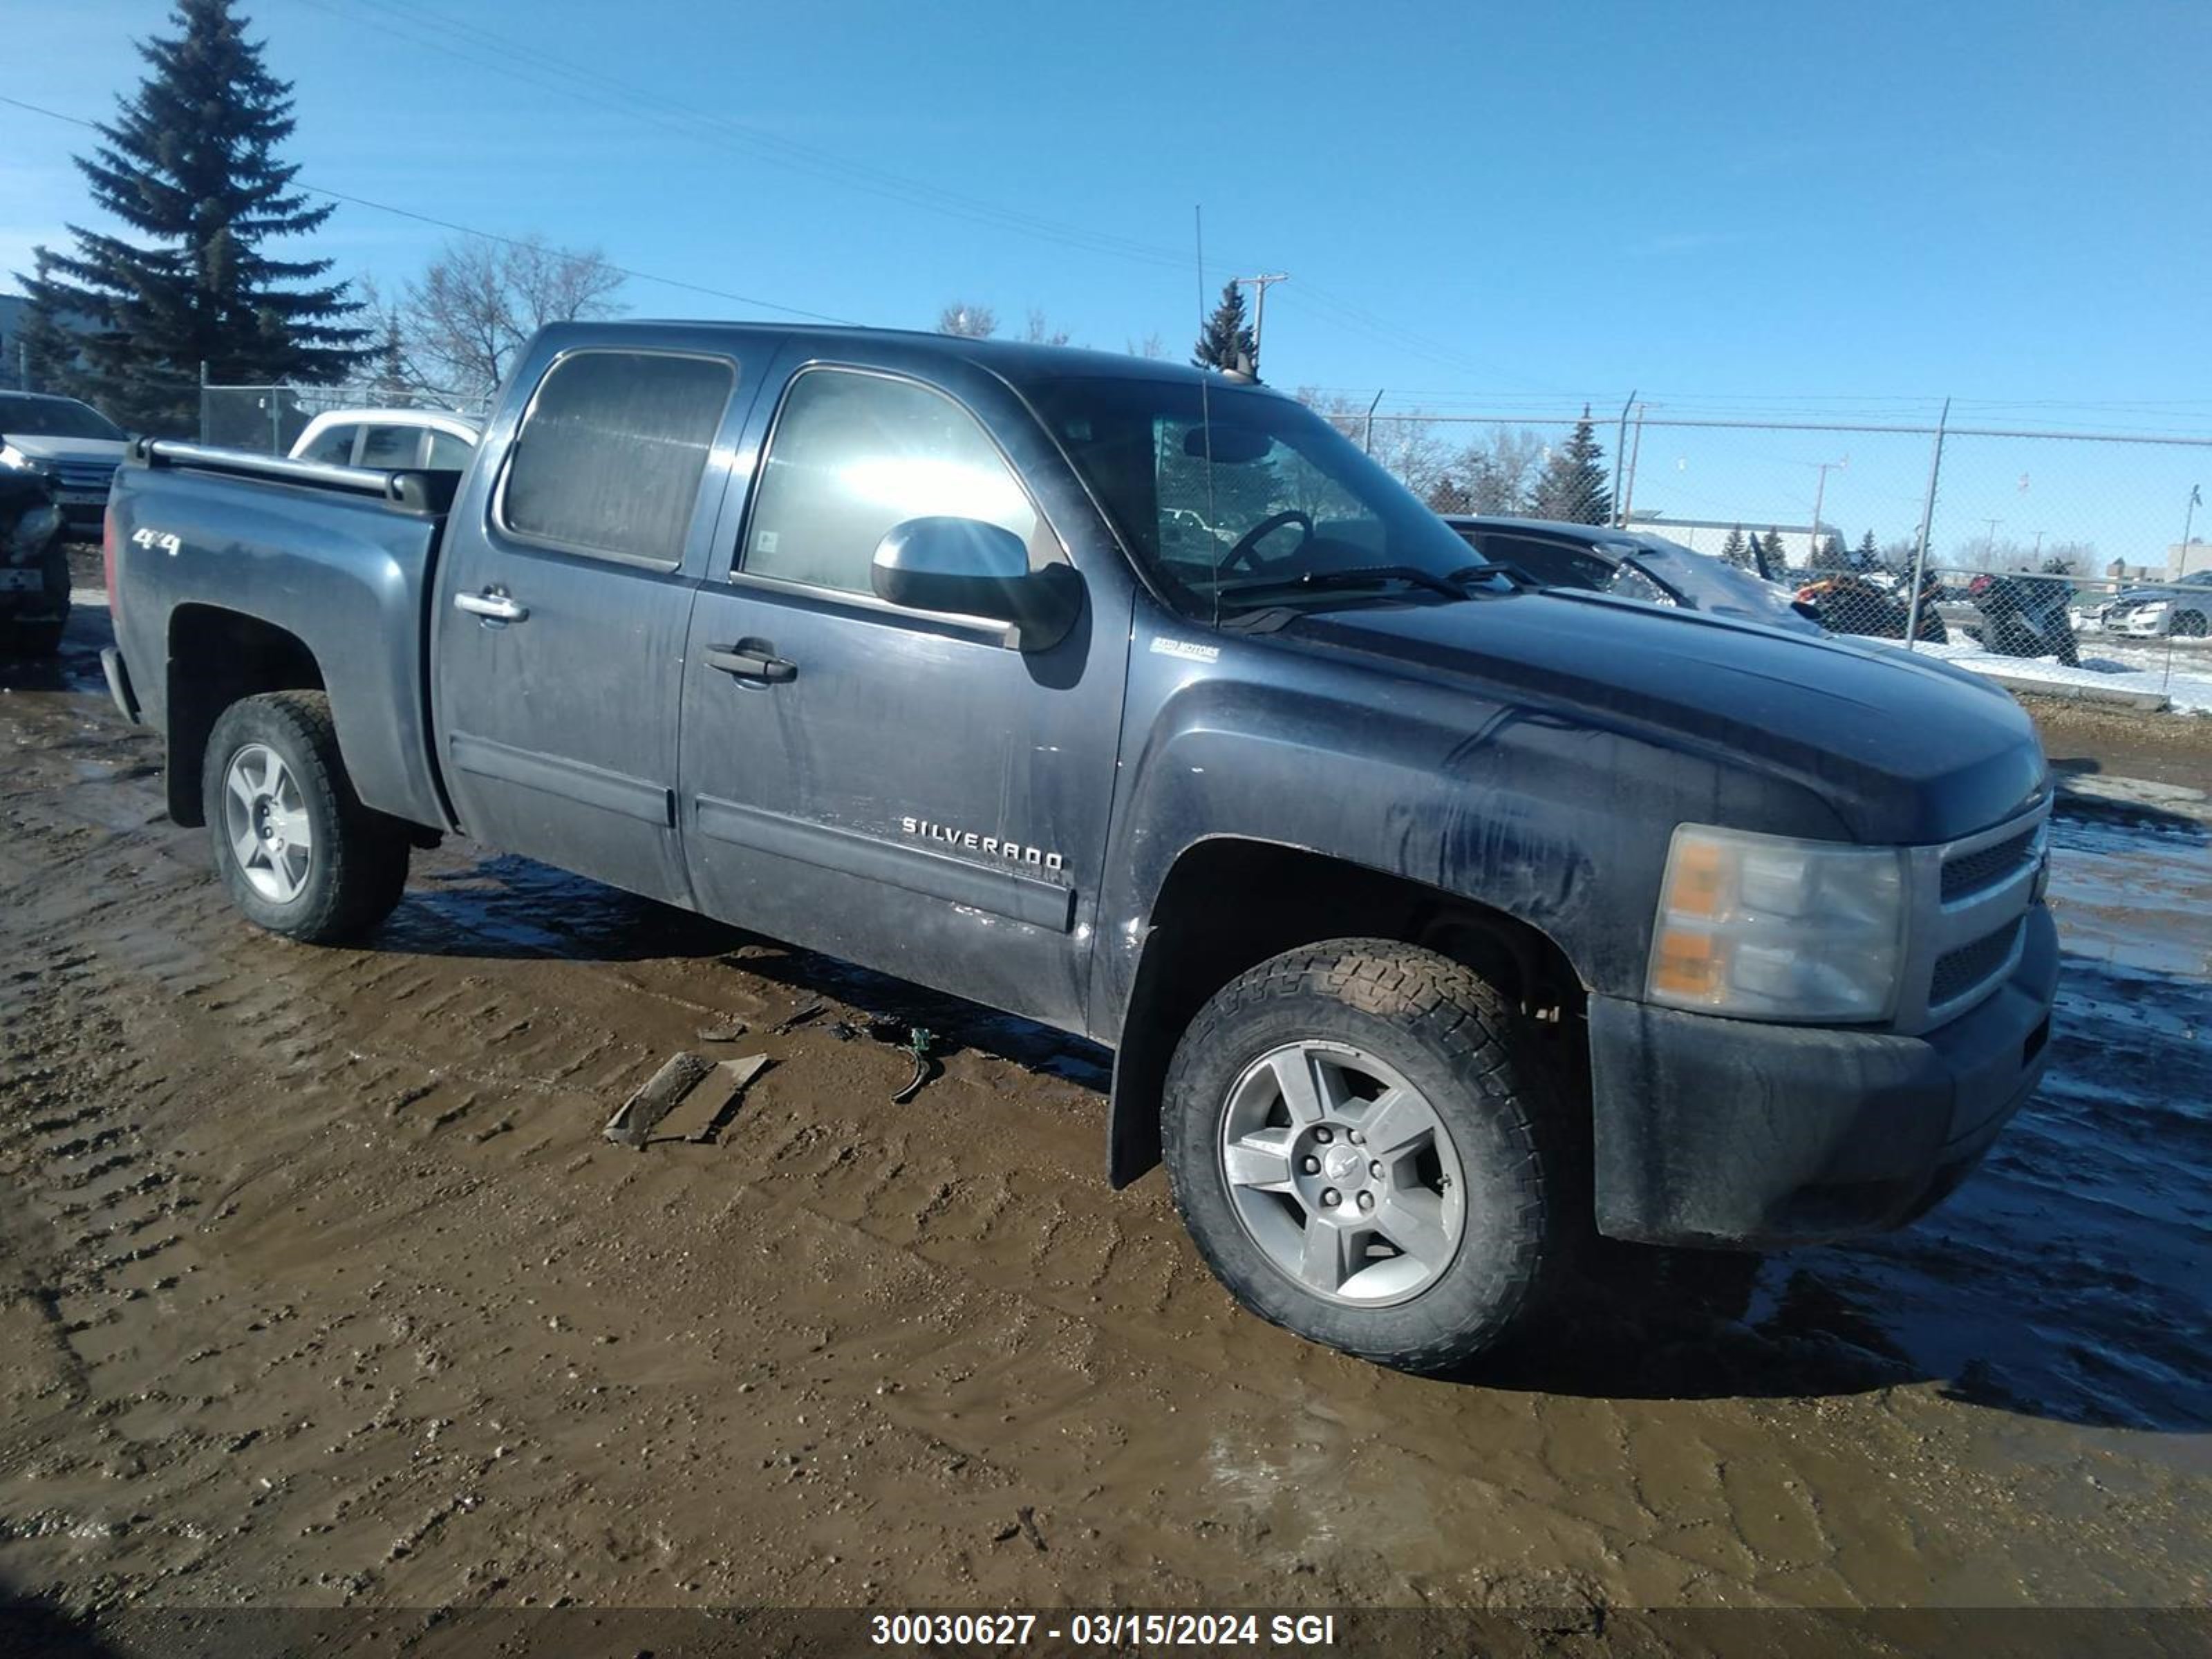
(1198, 1629)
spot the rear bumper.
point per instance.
(1730, 1133)
(118, 683)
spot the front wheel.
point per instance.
(1366, 1152)
(299, 854)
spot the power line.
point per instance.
(592, 85)
(489, 235)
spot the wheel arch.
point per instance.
(218, 657)
(1218, 913)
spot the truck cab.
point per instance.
(1435, 921)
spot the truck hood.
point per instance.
(1907, 750)
(108, 452)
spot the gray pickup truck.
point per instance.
(1436, 922)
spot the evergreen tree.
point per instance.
(190, 165)
(1226, 341)
(1831, 554)
(1573, 486)
(1868, 554)
(1770, 550)
(1736, 550)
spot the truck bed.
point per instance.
(338, 559)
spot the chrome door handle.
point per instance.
(492, 604)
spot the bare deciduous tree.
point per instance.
(1041, 332)
(1405, 445)
(1150, 346)
(458, 330)
(967, 322)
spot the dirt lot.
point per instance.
(318, 1285)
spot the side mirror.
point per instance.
(966, 567)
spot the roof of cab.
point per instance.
(1015, 361)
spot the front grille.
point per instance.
(1970, 872)
(84, 475)
(1972, 966)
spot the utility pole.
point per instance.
(1259, 287)
(1990, 544)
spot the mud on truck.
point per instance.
(1437, 921)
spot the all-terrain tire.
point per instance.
(356, 868)
(1471, 1055)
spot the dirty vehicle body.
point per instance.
(1434, 921)
(34, 579)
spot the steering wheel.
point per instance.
(1249, 542)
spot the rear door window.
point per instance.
(447, 453)
(387, 448)
(334, 447)
(609, 455)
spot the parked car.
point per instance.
(73, 445)
(433, 440)
(34, 579)
(1632, 564)
(2182, 611)
(1436, 921)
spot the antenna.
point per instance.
(1205, 409)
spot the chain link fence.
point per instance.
(270, 418)
(2067, 561)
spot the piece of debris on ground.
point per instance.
(633, 1122)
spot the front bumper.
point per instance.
(1731, 1132)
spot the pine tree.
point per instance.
(1226, 341)
(1869, 556)
(190, 164)
(1771, 549)
(1736, 550)
(1573, 486)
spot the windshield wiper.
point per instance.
(1367, 576)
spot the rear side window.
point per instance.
(447, 453)
(334, 447)
(855, 454)
(389, 447)
(608, 458)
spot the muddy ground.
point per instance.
(318, 1285)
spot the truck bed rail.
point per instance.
(412, 489)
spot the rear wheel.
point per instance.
(299, 854)
(1366, 1152)
(2191, 625)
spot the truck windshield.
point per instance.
(55, 417)
(1246, 498)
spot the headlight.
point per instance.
(1766, 927)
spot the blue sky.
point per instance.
(1727, 207)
